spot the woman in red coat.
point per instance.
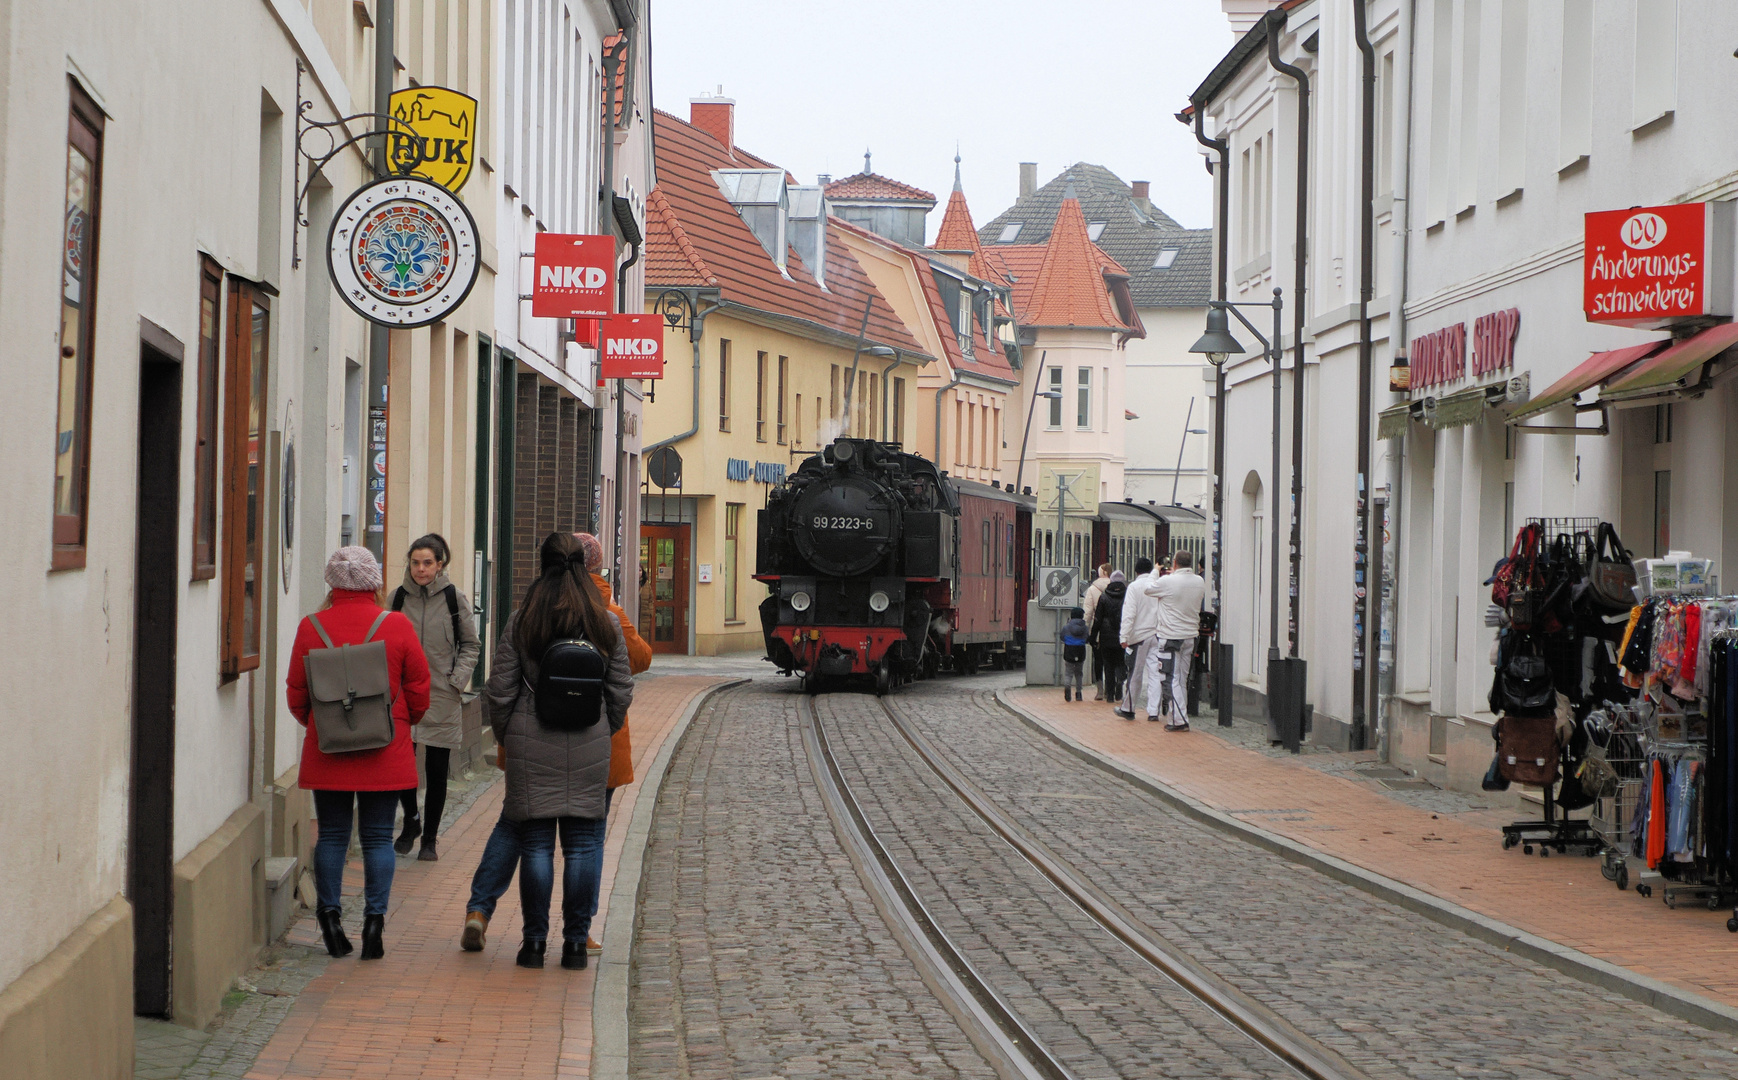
(366, 782)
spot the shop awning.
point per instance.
(1590, 372)
(1674, 368)
(1459, 408)
(1391, 422)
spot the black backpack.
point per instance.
(1107, 616)
(569, 690)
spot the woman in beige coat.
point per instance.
(443, 621)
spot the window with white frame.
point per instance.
(1575, 88)
(1083, 400)
(1656, 61)
(1055, 418)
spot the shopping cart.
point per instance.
(1616, 768)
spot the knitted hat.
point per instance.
(353, 568)
(593, 548)
(1116, 575)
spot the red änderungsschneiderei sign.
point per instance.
(1648, 266)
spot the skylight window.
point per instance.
(1165, 259)
(1009, 232)
(1094, 230)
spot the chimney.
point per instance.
(1028, 178)
(1141, 198)
(716, 116)
(824, 179)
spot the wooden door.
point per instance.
(664, 595)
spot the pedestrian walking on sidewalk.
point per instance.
(1177, 598)
(361, 784)
(1107, 657)
(1074, 633)
(1089, 609)
(501, 854)
(556, 778)
(448, 631)
(1135, 634)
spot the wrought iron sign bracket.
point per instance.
(680, 308)
(319, 155)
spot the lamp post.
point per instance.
(1177, 474)
(1053, 395)
(1284, 677)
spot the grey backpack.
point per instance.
(351, 690)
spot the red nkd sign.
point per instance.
(1644, 267)
(572, 276)
(632, 347)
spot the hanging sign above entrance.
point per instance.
(572, 276)
(402, 252)
(632, 346)
(434, 134)
(1651, 266)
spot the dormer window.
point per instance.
(1009, 232)
(1094, 230)
(1165, 258)
(762, 201)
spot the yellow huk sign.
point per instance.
(434, 135)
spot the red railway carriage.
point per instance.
(990, 593)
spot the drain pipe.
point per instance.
(1402, 222)
(1222, 173)
(621, 459)
(957, 378)
(887, 392)
(696, 331)
(1364, 580)
(1276, 21)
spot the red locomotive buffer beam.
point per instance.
(839, 650)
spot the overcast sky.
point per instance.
(816, 82)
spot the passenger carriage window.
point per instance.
(986, 559)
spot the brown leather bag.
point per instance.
(1527, 749)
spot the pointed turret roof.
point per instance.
(957, 234)
(1072, 287)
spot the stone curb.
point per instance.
(1668, 999)
(609, 1000)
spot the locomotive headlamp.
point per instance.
(844, 450)
(878, 601)
(800, 601)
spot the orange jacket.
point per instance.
(639, 659)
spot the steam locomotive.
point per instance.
(860, 550)
(880, 565)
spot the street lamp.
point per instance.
(1051, 395)
(1177, 474)
(1285, 696)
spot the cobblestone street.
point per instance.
(759, 954)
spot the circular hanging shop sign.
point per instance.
(403, 252)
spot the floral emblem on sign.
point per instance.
(403, 252)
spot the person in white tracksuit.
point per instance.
(1139, 617)
(1177, 597)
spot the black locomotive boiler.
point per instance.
(859, 548)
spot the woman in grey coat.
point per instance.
(448, 632)
(556, 779)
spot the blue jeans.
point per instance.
(334, 809)
(501, 857)
(582, 873)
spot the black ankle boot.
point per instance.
(332, 929)
(372, 927)
(407, 837)
(531, 953)
(573, 955)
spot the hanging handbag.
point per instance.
(350, 687)
(1527, 749)
(1519, 587)
(1610, 572)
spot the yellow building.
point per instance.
(769, 301)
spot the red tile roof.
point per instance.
(957, 233)
(695, 237)
(875, 186)
(987, 356)
(1070, 287)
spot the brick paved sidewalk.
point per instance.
(1455, 857)
(428, 1010)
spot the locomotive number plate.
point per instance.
(822, 521)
